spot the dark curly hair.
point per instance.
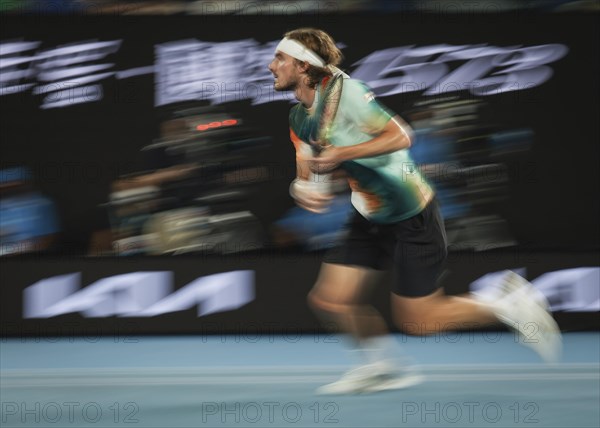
(323, 45)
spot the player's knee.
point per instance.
(313, 300)
(318, 302)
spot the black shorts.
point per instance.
(414, 248)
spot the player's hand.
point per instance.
(326, 161)
(308, 196)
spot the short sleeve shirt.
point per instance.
(386, 188)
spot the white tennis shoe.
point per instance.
(525, 310)
(373, 377)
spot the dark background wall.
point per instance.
(77, 151)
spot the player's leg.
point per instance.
(438, 312)
(348, 273)
(340, 299)
(341, 295)
(518, 307)
(420, 308)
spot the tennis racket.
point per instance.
(320, 137)
(328, 107)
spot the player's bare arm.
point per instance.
(396, 135)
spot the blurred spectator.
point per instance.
(464, 159)
(205, 170)
(28, 220)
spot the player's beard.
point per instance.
(290, 86)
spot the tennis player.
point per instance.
(396, 223)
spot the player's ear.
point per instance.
(307, 80)
(302, 66)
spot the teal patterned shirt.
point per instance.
(386, 188)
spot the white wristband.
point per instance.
(292, 189)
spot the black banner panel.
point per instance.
(247, 294)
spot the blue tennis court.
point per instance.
(471, 379)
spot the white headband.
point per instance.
(299, 51)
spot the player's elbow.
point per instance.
(402, 135)
(401, 141)
(405, 141)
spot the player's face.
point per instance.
(285, 71)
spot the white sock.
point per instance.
(377, 349)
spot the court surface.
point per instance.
(472, 380)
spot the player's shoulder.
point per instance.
(355, 84)
(354, 88)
